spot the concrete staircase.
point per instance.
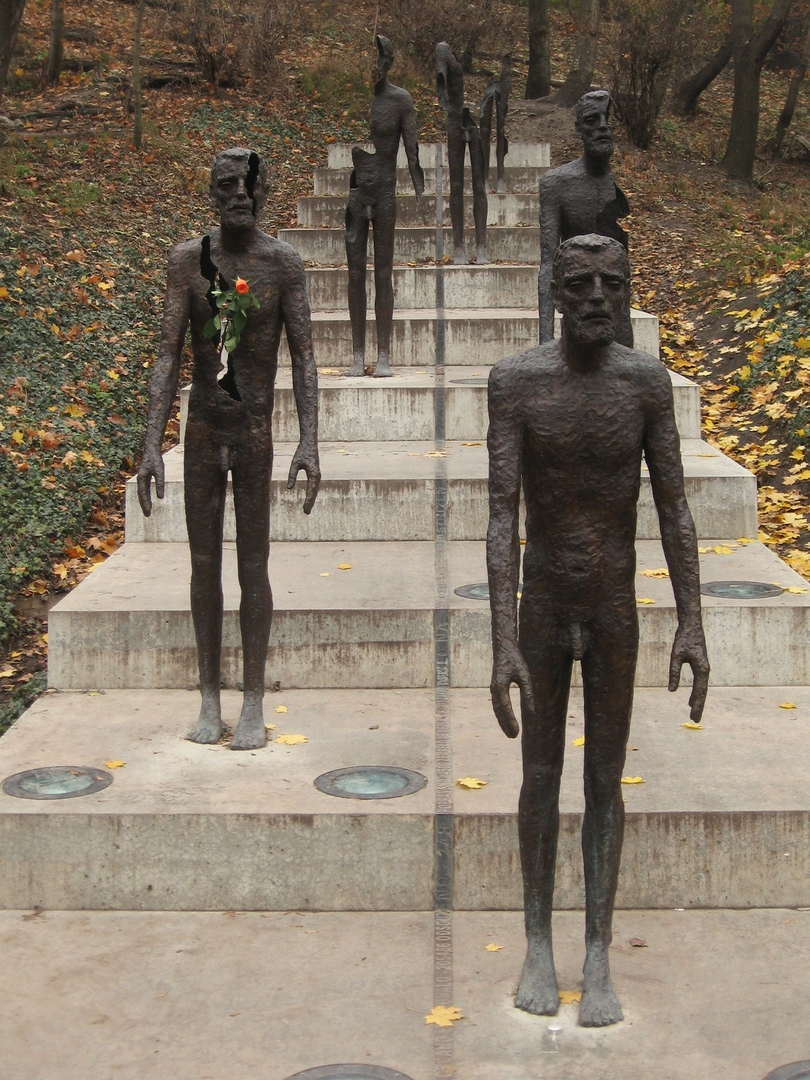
(385, 663)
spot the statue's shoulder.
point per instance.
(561, 175)
(280, 252)
(186, 250)
(399, 94)
(646, 371)
(512, 371)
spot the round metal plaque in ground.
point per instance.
(799, 1070)
(474, 592)
(469, 382)
(350, 1072)
(369, 782)
(57, 782)
(741, 590)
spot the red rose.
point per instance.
(242, 286)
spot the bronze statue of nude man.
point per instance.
(569, 422)
(229, 425)
(581, 197)
(372, 198)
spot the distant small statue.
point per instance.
(497, 95)
(372, 198)
(568, 424)
(238, 289)
(582, 197)
(462, 132)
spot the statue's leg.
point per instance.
(538, 811)
(501, 143)
(608, 670)
(485, 127)
(455, 165)
(205, 478)
(480, 202)
(251, 500)
(356, 256)
(384, 231)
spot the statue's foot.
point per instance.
(599, 1006)
(209, 725)
(481, 257)
(537, 992)
(250, 733)
(460, 257)
(358, 367)
(382, 369)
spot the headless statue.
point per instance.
(582, 197)
(497, 95)
(462, 132)
(372, 198)
(229, 427)
(568, 423)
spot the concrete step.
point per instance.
(415, 286)
(472, 336)
(328, 211)
(521, 155)
(519, 180)
(386, 491)
(721, 820)
(327, 247)
(129, 624)
(366, 409)
(134, 992)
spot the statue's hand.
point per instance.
(151, 466)
(689, 648)
(306, 459)
(508, 666)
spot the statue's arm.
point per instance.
(550, 212)
(678, 538)
(504, 440)
(410, 139)
(163, 386)
(298, 324)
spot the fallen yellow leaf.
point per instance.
(644, 600)
(787, 705)
(269, 727)
(579, 742)
(661, 572)
(437, 453)
(492, 947)
(745, 540)
(471, 444)
(797, 589)
(345, 566)
(471, 782)
(325, 574)
(568, 997)
(444, 1016)
(632, 780)
(722, 549)
(291, 740)
(6, 673)
(115, 764)
(692, 727)
(281, 708)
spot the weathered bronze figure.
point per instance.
(569, 422)
(497, 94)
(229, 425)
(372, 198)
(462, 132)
(581, 197)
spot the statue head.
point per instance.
(590, 288)
(592, 116)
(238, 187)
(385, 56)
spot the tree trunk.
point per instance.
(136, 75)
(783, 123)
(11, 12)
(538, 82)
(578, 81)
(750, 50)
(684, 101)
(56, 48)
